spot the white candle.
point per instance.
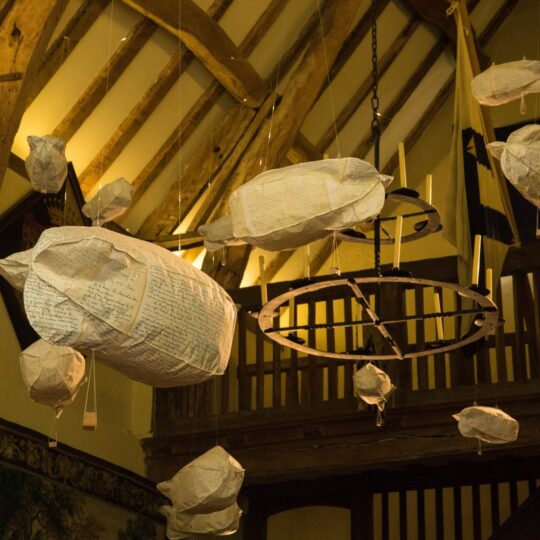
(397, 241)
(438, 320)
(402, 167)
(429, 187)
(476, 259)
(264, 291)
(489, 283)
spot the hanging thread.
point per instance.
(90, 417)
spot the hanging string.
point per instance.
(109, 56)
(335, 268)
(179, 160)
(275, 90)
(330, 95)
(52, 439)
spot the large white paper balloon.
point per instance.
(207, 484)
(182, 525)
(142, 309)
(46, 164)
(110, 202)
(15, 268)
(506, 82)
(373, 385)
(290, 207)
(520, 160)
(488, 424)
(51, 373)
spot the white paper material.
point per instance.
(207, 484)
(373, 385)
(182, 525)
(506, 82)
(292, 206)
(51, 373)
(520, 160)
(488, 424)
(110, 202)
(46, 164)
(219, 234)
(15, 268)
(142, 309)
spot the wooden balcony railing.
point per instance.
(264, 376)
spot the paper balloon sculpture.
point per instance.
(520, 160)
(293, 206)
(183, 525)
(110, 202)
(373, 385)
(506, 82)
(207, 484)
(143, 310)
(51, 373)
(15, 268)
(488, 424)
(46, 164)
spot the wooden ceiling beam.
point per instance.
(155, 225)
(25, 30)
(364, 90)
(397, 103)
(106, 78)
(209, 43)
(179, 62)
(65, 43)
(209, 159)
(298, 98)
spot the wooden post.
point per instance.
(25, 30)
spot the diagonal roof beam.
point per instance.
(365, 88)
(209, 43)
(424, 121)
(155, 225)
(178, 63)
(25, 30)
(106, 78)
(66, 42)
(298, 98)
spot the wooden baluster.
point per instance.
(495, 519)
(259, 359)
(403, 514)
(244, 380)
(422, 361)
(313, 369)
(536, 303)
(292, 380)
(476, 513)
(439, 513)
(513, 496)
(463, 373)
(528, 310)
(440, 371)
(349, 344)
(500, 340)
(385, 516)
(458, 518)
(331, 346)
(276, 375)
(421, 514)
(520, 366)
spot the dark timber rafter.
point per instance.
(298, 99)
(25, 29)
(209, 43)
(107, 76)
(66, 42)
(178, 63)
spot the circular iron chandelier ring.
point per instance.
(486, 308)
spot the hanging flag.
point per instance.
(476, 199)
